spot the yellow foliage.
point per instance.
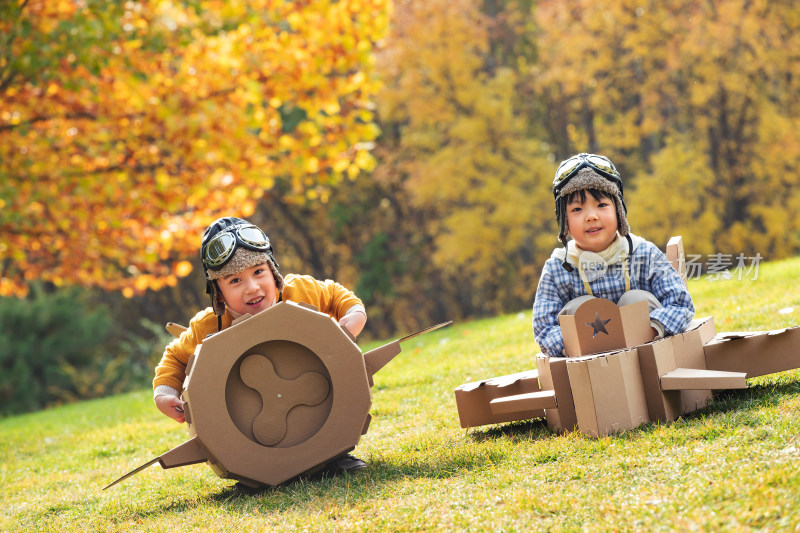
(691, 99)
(677, 198)
(148, 129)
(463, 148)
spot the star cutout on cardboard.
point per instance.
(599, 325)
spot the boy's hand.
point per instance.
(354, 322)
(172, 406)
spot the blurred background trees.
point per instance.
(128, 126)
(403, 149)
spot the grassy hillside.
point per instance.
(731, 466)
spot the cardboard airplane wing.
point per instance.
(276, 395)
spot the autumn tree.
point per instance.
(695, 100)
(126, 127)
(455, 139)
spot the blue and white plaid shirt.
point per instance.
(649, 270)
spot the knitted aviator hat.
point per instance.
(245, 255)
(589, 172)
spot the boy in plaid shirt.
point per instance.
(603, 259)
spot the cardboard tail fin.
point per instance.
(188, 453)
(677, 258)
(376, 359)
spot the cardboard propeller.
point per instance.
(276, 395)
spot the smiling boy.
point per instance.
(242, 277)
(601, 258)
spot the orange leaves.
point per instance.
(171, 117)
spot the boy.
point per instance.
(603, 259)
(242, 278)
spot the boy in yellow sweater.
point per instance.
(242, 277)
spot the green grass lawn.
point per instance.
(733, 466)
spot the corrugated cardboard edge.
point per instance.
(677, 258)
(553, 376)
(521, 403)
(596, 384)
(656, 359)
(689, 353)
(473, 400)
(585, 412)
(755, 353)
(694, 378)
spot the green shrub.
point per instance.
(49, 344)
(141, 352)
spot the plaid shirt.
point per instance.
(650, 271)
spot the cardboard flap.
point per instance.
(466, 387)
(757, 353)
(188, 453)
(705, 326)
(697, 379)
(132, 472)
(777, 331)
(553, 376)
(376, 359)
(174, 329)
(306, 305)
(599, 326)
(348, 333)
(523, 402)
(608, 392)
(507, 381)
(731, 335)
(473, 400)
(677, 258)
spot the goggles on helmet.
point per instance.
(570, 167)
(221, 247)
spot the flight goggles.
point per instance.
(570, 167)
(221, 247)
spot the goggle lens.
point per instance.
(602, 163)
(219, 249)
(566, 168)
(222, 246)
(254, 237)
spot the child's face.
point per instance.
(592, 222)
(250, 291)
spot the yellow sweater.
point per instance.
(328, 296)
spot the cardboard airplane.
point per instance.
(617, 377)
(276, 395)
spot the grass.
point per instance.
(731, 466)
